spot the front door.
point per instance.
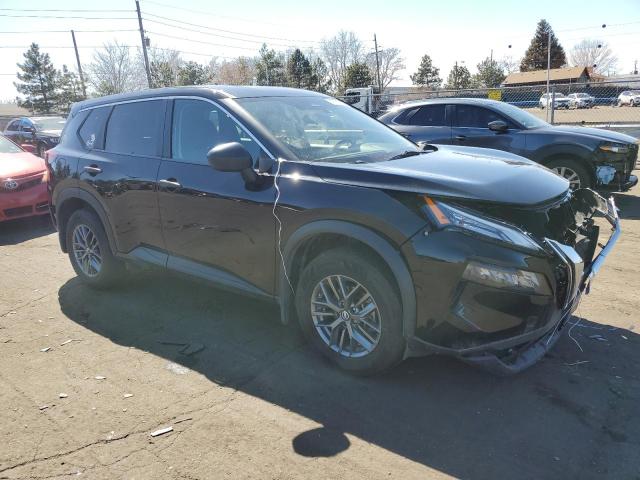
(471, 128)
(213, 223)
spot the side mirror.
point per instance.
(233, 157)
(426, 147)
(498, 126)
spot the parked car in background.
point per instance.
(629, 97)
(41, 132)
(580, 100)
(23, 182)
(380, 249)
(587, 157)
(559, 100)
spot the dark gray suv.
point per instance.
(587, 157)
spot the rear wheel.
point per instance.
(350, 311)
(89, 251)
(572, 171)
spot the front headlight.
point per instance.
(509, 278)
(615, 147)
(447, 216)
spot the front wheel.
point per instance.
(351, 312)
(89, 251)
(572, 171)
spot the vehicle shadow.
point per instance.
(567, 417)
(20, 230)
(629, 205)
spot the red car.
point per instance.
(23, 182)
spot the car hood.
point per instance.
(597, 133)
(458, 172)
(15, 165)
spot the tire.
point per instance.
(101, 269)
(566, 167)
(351, 267)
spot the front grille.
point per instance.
(23, 184)
(18, 211)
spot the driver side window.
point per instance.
(471, 116)
(198, 126)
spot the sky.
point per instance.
(449, 31)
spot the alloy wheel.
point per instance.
(570, 175)
(346, 316)
(86, 250)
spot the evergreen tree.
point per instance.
(70, 90)
(162, 74)
(535, 57)
(38, 81)
(490, 74)
(270, 68)
(320, 76)
(358, 75)
(427, 75)
(193, 73)
(459, 77)
(299, 71)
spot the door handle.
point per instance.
(92, 169)
(170, 183)
(461, 137)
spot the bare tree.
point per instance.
(239, 71)
(339, 52)
(164, 64)
(509, 64)
(391, 62)
(112, 70)
(594, 54)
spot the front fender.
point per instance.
(544, 154)
(381, 246)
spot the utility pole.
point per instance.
(491, 57)
(75, 47)
(548, 68)
(144, 45)
(375, 41)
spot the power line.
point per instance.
(201, 41)
(202, 12)
(60, 10)
(224, 31)
(65, 16)
(67, 31)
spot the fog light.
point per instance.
(503, 277)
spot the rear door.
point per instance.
(120, 168)
(213, 223)
(426, 123)
(471, 128)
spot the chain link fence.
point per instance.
(602, 104)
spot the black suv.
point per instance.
(41, 132)
(379, 249)
(587, 157)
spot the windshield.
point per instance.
(326, 129)
(7, 146)
(581, 95)
(48, 123)
(523, 118)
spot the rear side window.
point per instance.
(476, 117)
(135, 128)
(92, 130)
(428, 116)
(13, 126)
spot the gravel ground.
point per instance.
(599, 115)
(248, 399)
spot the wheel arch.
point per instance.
(340, 233)
(72, 199)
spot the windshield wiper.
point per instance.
(405, 154)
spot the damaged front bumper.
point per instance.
(500, 329)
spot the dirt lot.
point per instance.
(247, 399)
(599, 115)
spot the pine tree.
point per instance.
(490, 74)
(270, 68)
(535, 57)
(427, 75)
(192, 73)
(70, 90)
(459, 77)
(320, 76)
(299, 71)
(358, 75)
(38, 81)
